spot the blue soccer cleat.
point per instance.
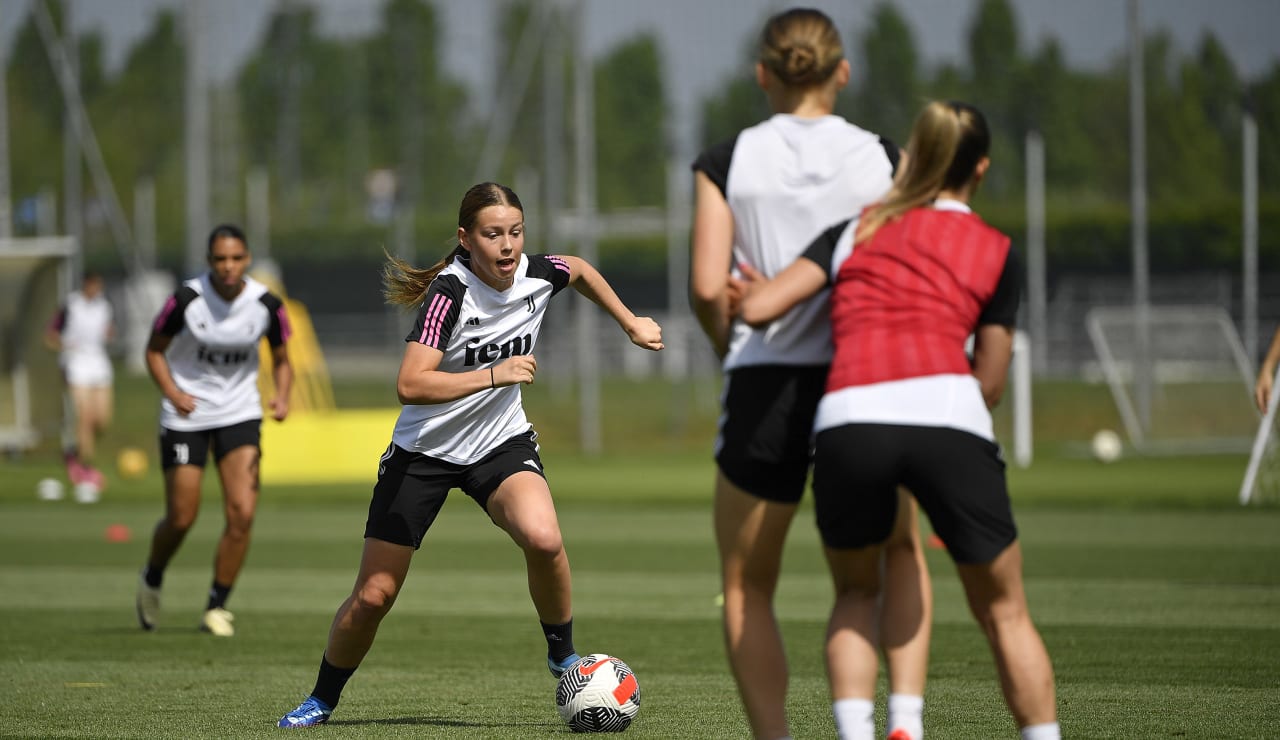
(559, 667)
(309, 713)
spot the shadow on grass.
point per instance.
(435, 722)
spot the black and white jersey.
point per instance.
(214, 351)
(476, 327)
(83, 325)
(786, 180)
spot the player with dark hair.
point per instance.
(761, 197)
(80, 332)
(479, 314)
(913, 278)
(203, 356)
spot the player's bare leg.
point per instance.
(906, 618)
(383, 568)
(181, 507)
(86, 438)
(998, 602)
(523, 508)
(750, 534)
(239, 473)
(852, 637)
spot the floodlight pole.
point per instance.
(1037, 298)
(72, 162)
(57, 53)
(196, 139)
(588, 350)
(1250, 246)
(6, 195)
(1142, 375)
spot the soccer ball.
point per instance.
(87, 492)
(1107, 446)
(132, 463)
(598, 694)
(49, 489)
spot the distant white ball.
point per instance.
(598, 694)
(87, 493)
(49, 489)
(1107, 446)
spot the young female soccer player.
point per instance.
(203, 355)
(914, 277)
(761, 197)
(79, 333)
(480, 312)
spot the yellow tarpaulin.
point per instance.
(326, 446)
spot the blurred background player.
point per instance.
(480, 313)
(761, 198)
(203, 356)
(1262, 387)
(914, 277)
(80, 333)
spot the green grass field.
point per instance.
(1157, 595)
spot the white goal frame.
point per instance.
(1211, 314)
(21, 433)
(1260, 444)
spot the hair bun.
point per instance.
(801, 63)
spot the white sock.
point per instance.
(906, 712)
(1046, 731)
(855, 719)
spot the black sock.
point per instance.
(559, 640)
(153, 576)
(330, 682)
(218, 594)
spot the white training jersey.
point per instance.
(213, 354)
(476, 327)
(84, 325)
(786, 180)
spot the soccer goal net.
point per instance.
(35, 275)
(1190, 391)
(1262, 476)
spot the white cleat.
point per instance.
(147, 604)
(218, 622)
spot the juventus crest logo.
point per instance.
(528, 301)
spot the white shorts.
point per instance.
(88, 371)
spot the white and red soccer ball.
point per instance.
(598, 694)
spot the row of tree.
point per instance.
(321, 113)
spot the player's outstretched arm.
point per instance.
(765, 300)
(587, 280)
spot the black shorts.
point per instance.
(412, 487)
(957, 477)
(192, 448)
(766, 431)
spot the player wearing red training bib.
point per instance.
(915, 276)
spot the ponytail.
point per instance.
(947, 142)
(406, 285)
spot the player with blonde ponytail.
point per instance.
(761, 197)
(911, 281)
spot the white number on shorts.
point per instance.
(181, 453)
